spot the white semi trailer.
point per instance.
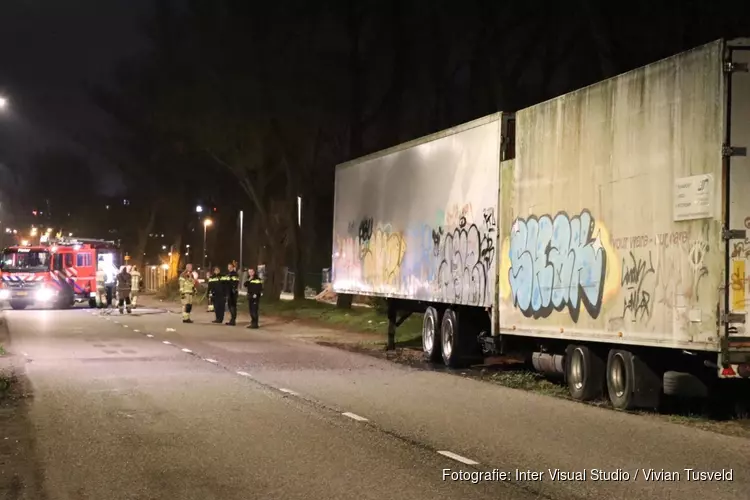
(603, 232)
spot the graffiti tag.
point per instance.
(556, 265)
(637, 301)
(465, 255)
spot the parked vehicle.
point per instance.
(59, 273)
(603, 233)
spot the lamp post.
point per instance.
(206, 223)
(241, 221)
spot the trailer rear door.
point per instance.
(736, 341)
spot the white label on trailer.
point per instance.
(693, 197)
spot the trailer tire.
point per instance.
(620, 379)
(683, 384)
(18, 306)
(431, 325)
(584, 373)
(453, 341)
(92, 303)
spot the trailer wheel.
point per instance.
(18, 305)
(620, 379)
(92, 303)
(431, 335)
(584, 373)
(455, 347)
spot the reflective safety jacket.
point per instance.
(187, 284)
(254, 288)
(216, 286)
(136, 281)
(232, 284)
(124, 282)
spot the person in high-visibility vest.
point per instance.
(254, 287)
(232, 283)
(101, 290)
(188, 284)
(217, 294)
(209, 295)
(124, 288)
(136, 285)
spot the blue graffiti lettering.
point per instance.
(556, 264)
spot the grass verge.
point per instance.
(355, 320)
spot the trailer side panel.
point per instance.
(615, 226)
(418, 222)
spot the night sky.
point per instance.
(48, 50)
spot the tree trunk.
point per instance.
(437, 60)
(143, 233)
(174, 262)
(253, 243)
(356, 96)
(401, 54)
(273, 281)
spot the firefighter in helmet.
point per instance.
(124, 287)
(101, 290)
(188, 285)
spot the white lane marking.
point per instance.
(171, 330)
(210, 360)
(288, 391)
(187, 350)
(124, 326)
(117, 322)
(354, 416)
(25, 353)
(149, 335)
(244, 374)
(166, 342)
(136, 331)
(458, 458)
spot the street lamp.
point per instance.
(3, 103)
(206, 223)
(198, 209)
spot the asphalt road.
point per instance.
(497, 427)
(117, 414)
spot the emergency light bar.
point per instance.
(82, 241)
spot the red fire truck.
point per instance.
(59, 273)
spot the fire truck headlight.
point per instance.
(45, 294)
(4, 294)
